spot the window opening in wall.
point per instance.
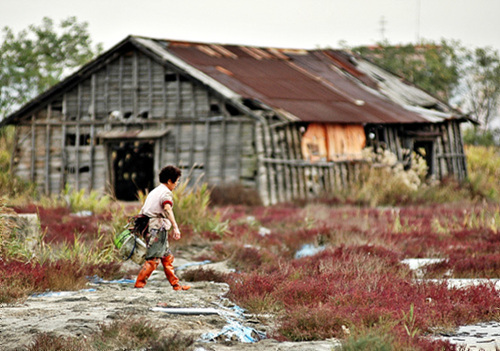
(171, 77)
(174, 77)
(233, 111)
(133, 168)
(71, 139)
(84, 139)
(251, 104)
(214, 109)
(57, 105)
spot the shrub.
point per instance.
(11, 187)
(385, 181)
(174, 342)
(50, 342)
(483, 166)
(371, 341)
(202, 274)
(192, 208)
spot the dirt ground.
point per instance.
(196, 312)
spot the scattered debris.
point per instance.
(308, 250)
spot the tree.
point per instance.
(434, 67)
(468, 77)
(38, 57)
(481, 85)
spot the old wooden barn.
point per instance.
(289, 123)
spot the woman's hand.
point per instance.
(176, 234)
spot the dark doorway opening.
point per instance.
(133, 168)
(425, 148)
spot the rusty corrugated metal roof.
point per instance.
(304, 85)
(310, 85)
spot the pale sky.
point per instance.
(274, 23)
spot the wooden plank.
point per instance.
(93, 92)
(239, 147)
(150, 88)
(33, 149)
(77, 141)
(223, 151)
(164, 93)
(120, 83)
(178, 136)
(63, 143)
(135, 85)
(47, 151)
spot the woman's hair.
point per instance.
(171, 173)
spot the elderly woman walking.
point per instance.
(159, 208)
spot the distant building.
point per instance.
(289, 123)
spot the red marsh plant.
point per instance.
(60, 225)
(357, 287)
(20, 279)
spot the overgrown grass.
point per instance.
(384, 180)
(192, 210)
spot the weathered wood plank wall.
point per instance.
(59, 144)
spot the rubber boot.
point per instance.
(147, 268)
(168, 267)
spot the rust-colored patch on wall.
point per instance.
(333, 142)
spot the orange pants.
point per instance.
(150, 266)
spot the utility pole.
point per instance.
(382, 22)
(418, 22)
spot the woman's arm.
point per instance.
(176, 234)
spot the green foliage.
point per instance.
(81, 201)
(468, 77)
(192, 208)
(38, 57)
(371, 341)
(481, 84)
(483, 166)
(435, 67)
(482, 137)
(11, 187)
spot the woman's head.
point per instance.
(171, 173)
